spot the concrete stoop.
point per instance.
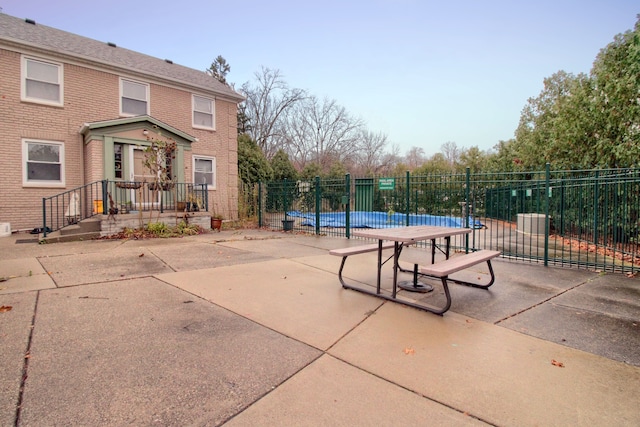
(89, 225)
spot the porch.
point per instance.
(105, 207)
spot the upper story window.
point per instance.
(204, 171)
(43, 163)
(42, 81)
(203, 112)
(134, 98)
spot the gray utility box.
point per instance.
(531, 223)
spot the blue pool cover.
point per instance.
(362, 219)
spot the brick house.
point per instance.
(75, 111)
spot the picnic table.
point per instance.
(398, 237)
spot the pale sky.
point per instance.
(422, 72)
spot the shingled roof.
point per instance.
(23, 32)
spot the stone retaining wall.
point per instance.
(117, 223)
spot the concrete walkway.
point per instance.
(249, 327)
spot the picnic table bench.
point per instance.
(396, 239)
(355, 250)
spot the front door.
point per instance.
(141, 174)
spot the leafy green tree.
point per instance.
(282, 167)
(436, 164)
(243, 121)
(219, 69)
(504, 159)
(616, 77)
(310, 171)
(253, 167)
(337, 170)
(586, 121)
(472, 158)
(540, 123)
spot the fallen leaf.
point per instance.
(469, 321)
(556, 363)
(5, 308)
(409, 350)
(141, 255)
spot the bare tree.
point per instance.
(321, 132)
(372, 156)
(451, 153)
(266, 103)
(415, 157)
(390, 160)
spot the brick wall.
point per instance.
(92, 95)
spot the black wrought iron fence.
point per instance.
(586, 219)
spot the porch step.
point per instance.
(90, 225)
(56, 237)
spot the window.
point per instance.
(204, 171)
(134, 98)
(42, 81)
(43, 163)
(203, 112)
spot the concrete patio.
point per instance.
(249, 327)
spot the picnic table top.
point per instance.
(411, 233)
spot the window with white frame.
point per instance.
(203, 112)
(43, 163)
(134, 98)
(204, 171)
(42, 81)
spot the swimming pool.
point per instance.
(363, 219)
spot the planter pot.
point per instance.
(216, 224)
(287, 224)
(181, 206)
(129, 185)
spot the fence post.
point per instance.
(547, 179)
(318, 203)
(44, 217)
(105, 191)
(347, 206)
(407, 197)
(596, 196)
(260, 204)
(467, 203)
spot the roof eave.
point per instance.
(231, 96)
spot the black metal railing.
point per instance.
(120, 197)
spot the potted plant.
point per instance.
(287, 224)
(288, 193)
(216, 221)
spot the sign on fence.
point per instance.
(386, 183)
